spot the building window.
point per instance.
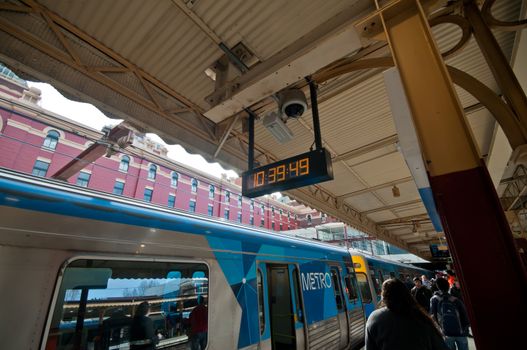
(251, 220)
(194, 185)
(226, 214)
(118, 187)
(210, 209)
(171, 200)
(272, 225)
(211, 191)
(262, 207)
(192, 206)
(83, 179)
(323, 218)
(152, 172)
(148, 194)
(240, 201)
(252, 205)
(227, 196)
(272, 211)
(281, 212)
(40, 168)
(239, 217)
(309, 219)
(125, 164)
(262, 222)
(51, 140)
(174, 179)
(170, 287)
(281, 228)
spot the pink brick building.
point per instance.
(33, 140)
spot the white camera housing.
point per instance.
(293, 103)
(273, 122)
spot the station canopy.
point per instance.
(186, 70)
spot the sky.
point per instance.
(88, 115)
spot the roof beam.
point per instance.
(393, 206)
(328, 203)
(332, 40)
(387, 141)
(376, 187)
(406, 219)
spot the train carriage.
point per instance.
(76, 263)
(74, 258)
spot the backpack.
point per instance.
(448, 316)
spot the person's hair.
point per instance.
(416, 279)
(142, 309)
(397, 298)
(442, 284)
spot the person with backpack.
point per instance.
(450, 314)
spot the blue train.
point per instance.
(78, 263)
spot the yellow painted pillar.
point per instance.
(493, 280)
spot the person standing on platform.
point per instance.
(421, 294)
(198, 326)
(401, 323)
(142, 335)
(451, 315)
(426, 282)
(455, 290)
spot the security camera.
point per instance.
(293, 103)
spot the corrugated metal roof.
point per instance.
(163, 41)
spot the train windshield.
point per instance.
(364, 288)
(113, 304)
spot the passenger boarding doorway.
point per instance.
(342, 314)
(285, 307)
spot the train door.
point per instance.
(368, 301)
(298, 307)
(263, 307)
(282, 305)
(342, 314)
(356, 310)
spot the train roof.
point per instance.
(57, 197)
(386, 261)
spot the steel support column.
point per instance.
(494, 282)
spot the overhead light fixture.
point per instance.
(211, 73)
(395, 191)
(273, 122)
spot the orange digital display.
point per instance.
(281, 172)
(304, 169)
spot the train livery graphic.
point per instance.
(78, 262)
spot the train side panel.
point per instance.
(45, 225)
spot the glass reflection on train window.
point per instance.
(101, 304)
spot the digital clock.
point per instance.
(302, 170)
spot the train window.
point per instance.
(350, 289)
(261, 313)
(377, 281)
(112, 304)
(336, 288)
(364, 288)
